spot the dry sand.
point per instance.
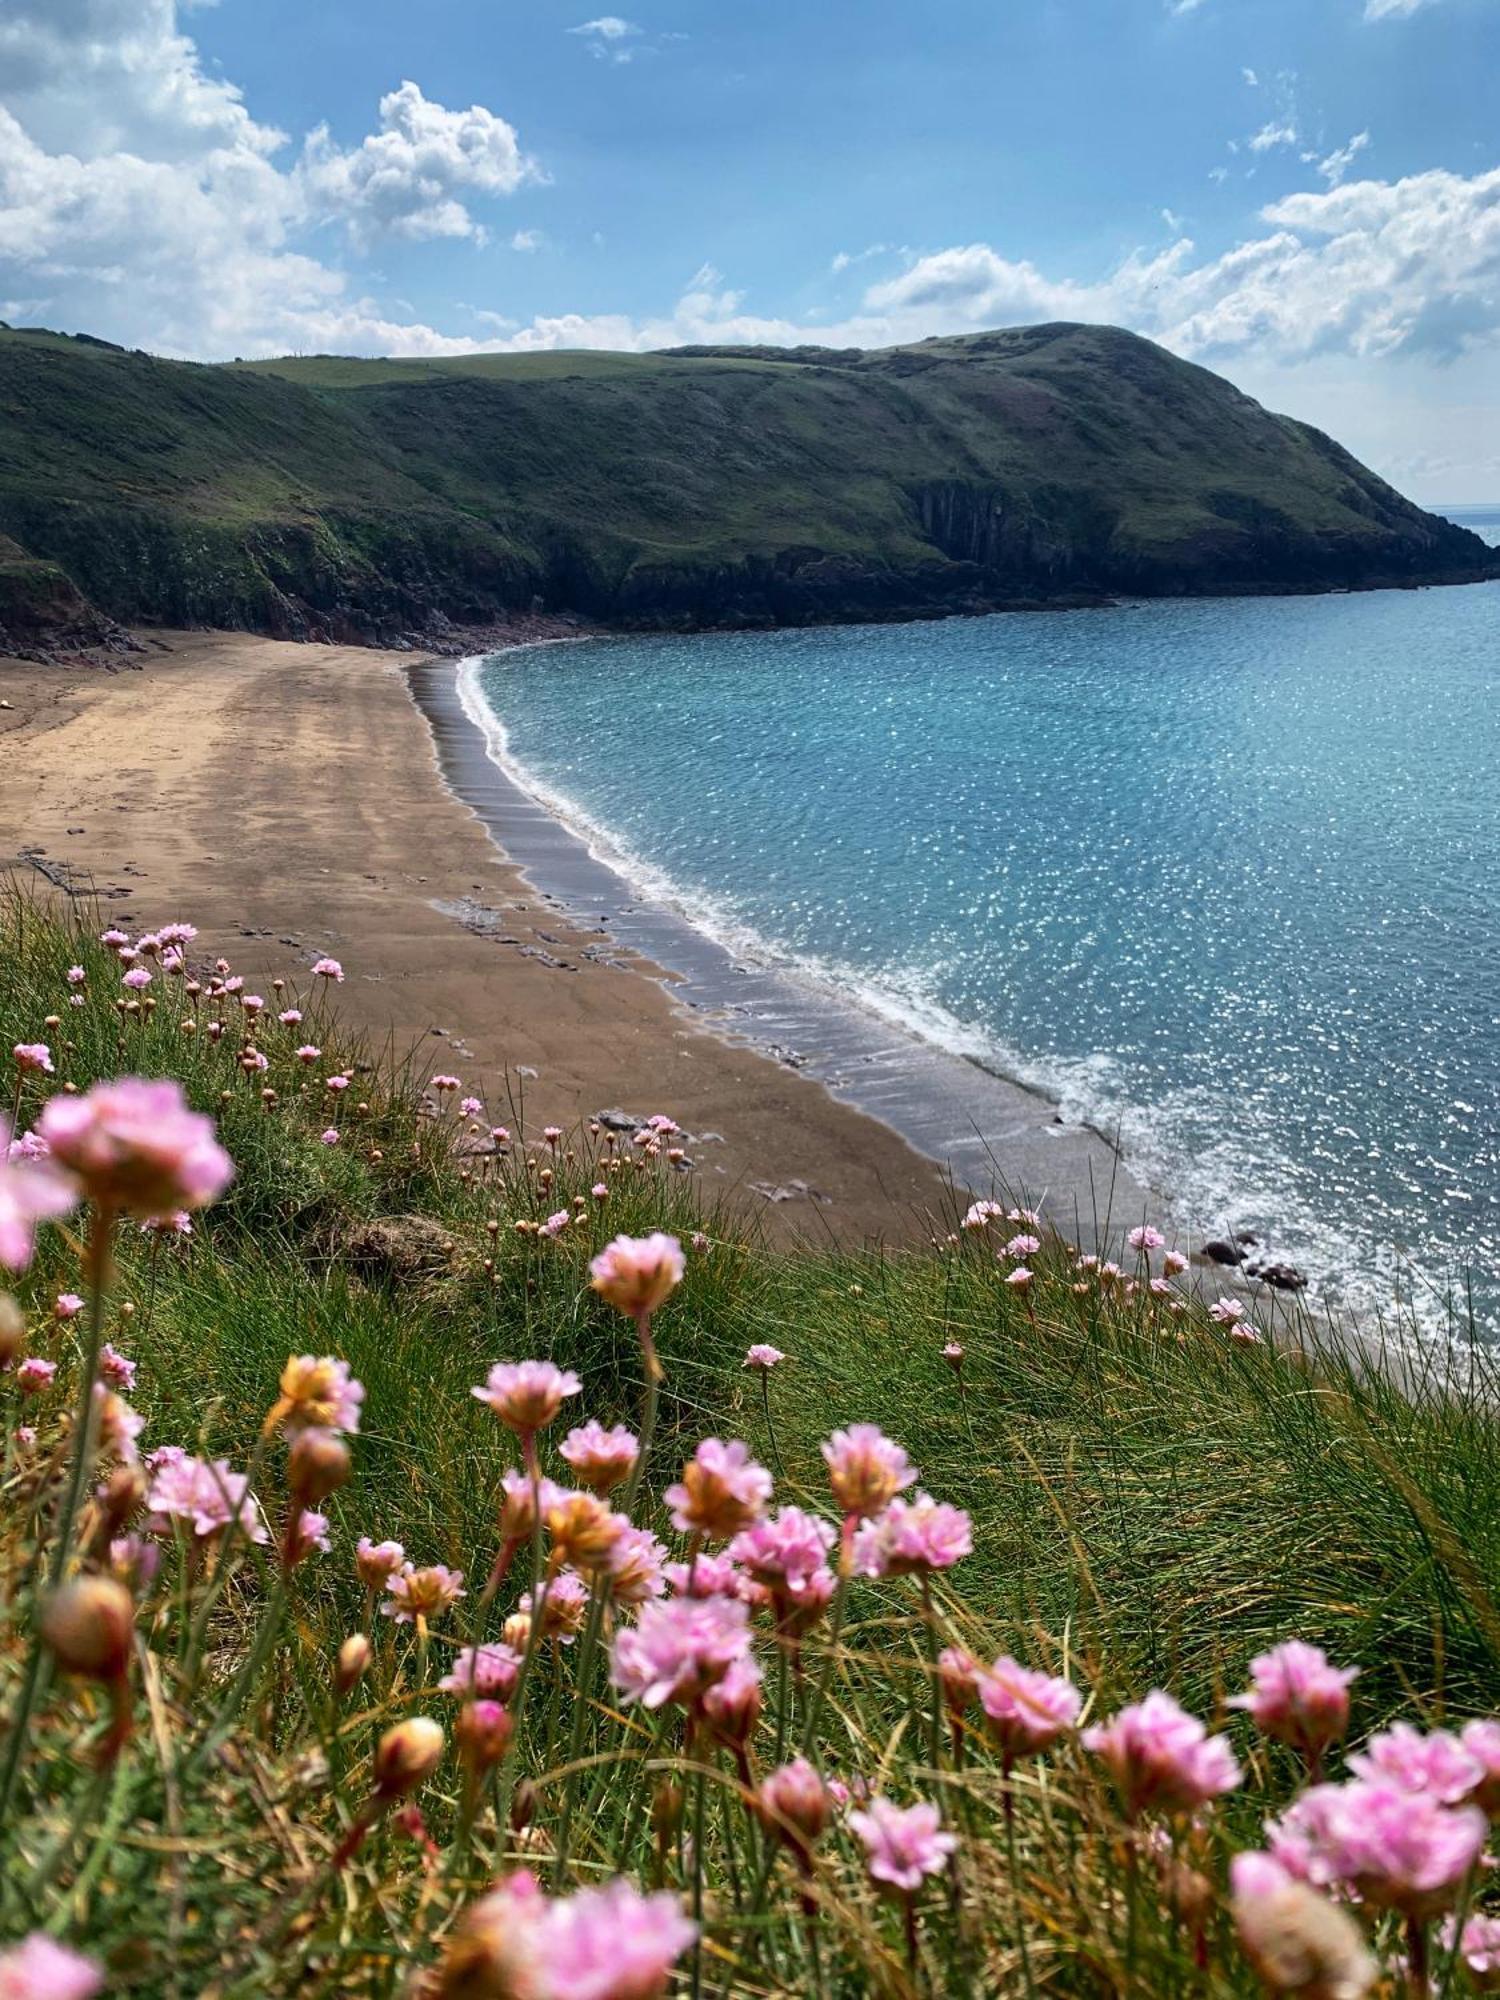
(286, 799)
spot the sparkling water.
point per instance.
(1221, 875)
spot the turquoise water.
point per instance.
(1224, 874)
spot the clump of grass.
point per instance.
(225, 1771)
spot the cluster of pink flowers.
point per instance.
(527, 1395)
(1161, 1758)
(609, 1943)
(206, 1494)
(912, 1537)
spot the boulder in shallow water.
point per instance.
(1219, 1251)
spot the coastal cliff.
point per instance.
(376, 500)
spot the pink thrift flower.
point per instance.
(527, 1395)
(414, 1593)
(635, 1567)
(330, 1137)
(637, 1274)
(733, 1704)
(67, 1305)
(318, 1392)
(308, 1053)
(443, 1083)
(1436, 1764)
(291, 1017)
(722, 1490)
(705, 1576)
(31, 1191)
(116, 1369)
(471, 1107)
(797, 1802)
(1174, 1263)
(763, 1356)
(1478, 1949)
(565, 1603)
(600, 1459)
(114, 938)
(557, 1222)
(866, 1470)
(309, 1532)
(611, 1944)
(1481, 1739)
(913, 1537)
(329, 968)
(490, 1670)
(1226, 1311)
(136, 1145)
(1027, 1710)
(38, 1968)
(959, 1673)
(1162, 1758)
(337, 1084)
(981, 1213)
(1298, 1698)
(119, 1425)
(137, 979)
(1393, 1848)
(1019, 1279)
(34, 1375)
(679, 1647)
(785, 1550)
(1145, 1238)
(599, 1191)
(902, 1843)
(377, 1562)
(1021, 1247)
(35, 1056)
(76, 975)
(207, 1495)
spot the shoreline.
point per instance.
(982, 1128)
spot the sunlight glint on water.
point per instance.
(1226, 873)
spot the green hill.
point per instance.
(702, 486)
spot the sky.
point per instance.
(1301, 194)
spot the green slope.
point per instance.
(705, 486)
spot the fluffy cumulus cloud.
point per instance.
(139, 197)
(409, 177)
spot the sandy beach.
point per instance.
(288, 800)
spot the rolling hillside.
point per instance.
(364, 499)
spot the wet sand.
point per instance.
(290, 801)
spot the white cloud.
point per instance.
(1172, 220)
(1273, 134)
(1183, 6)
(527, 239)
(844, 259)
(1391, 10)
(1251, 79)
(608, 37)
(408, 177)
(1337, 164)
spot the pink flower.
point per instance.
(763, 1356)
(1393, 1848)
(705, 1576)
(206, 1495)
(500, 1134)
(414, 1593)
(35, 1056)
(635, 1566)
(601, 1459)
(1174, 1263)
(566, 1601)
(1161, 1757)
(902, 1843)
(599, 1191)
(119, 1425)
(376, 1562)
(678, 1647)
(1021, 1247)
(40, 1969)
(557, 1222)
(337, 1084)
(1019, 1279)
(527, 1395)
(797, 1802)
(329, 968)
(1436, 1764)
(136, 1145)
(1226, 1311)
(308, 1053)
(784, 1550)
(637, 1274)
(444, 1083)
(959, 1673)
(865, 1469)
(1478, 1948)
(291, 1017)
(733, 1704)
(34, 1375)
(318, 1392)
(31, 1191)
(470, 1107)
(309, 1532)
(137, 979)
(116, 1369)
(611, 1944)
(981, 1213)
(1298, 1698)
(178, 933)
(490, 1670)
(1297, 1940)
(67, 1305)
(330, 1137)
(722, 1490)
(552, 1134)
(1482, 1742)
(76, 975)
(114, 938)
(1027, 1710)
(912, 1537)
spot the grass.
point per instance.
(681, 489)
(1152, 1503)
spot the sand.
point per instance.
(287, 799)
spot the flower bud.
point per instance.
(482, 1732)
(12, 1330)
(795, 1803)
(89, 1625)
(354, 1657)
(407, 1755)
(119, 1499)
(666, 1809)
(523, 1806)
(317, 1465)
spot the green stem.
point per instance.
(256, 1659)
(836, 1626)
(765, 1397)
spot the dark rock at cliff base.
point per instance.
(1220, 1252)
(1284, 1277)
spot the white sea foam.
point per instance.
(1237, 1177)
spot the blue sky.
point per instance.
(1305, 196)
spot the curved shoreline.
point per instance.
(983, 1128)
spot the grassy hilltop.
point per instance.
(703, 486)
(1154, 1497)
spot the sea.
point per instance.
(1217, 877)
